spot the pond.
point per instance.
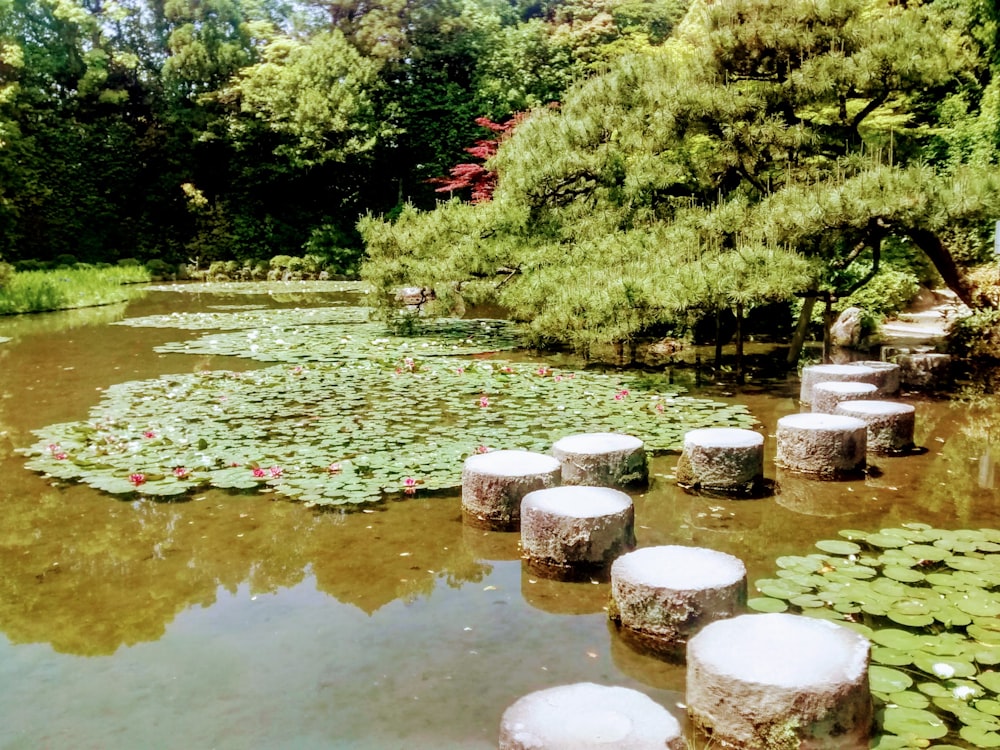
(236, 619)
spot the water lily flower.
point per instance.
(482, 449)
(259, 472)
(558, 378)
(459, 370)
(149, 434)
(298, 370)
(660, 406)
(507, 370)
(963, 692)
(943, 670)
(334, 468)
(137, 479)
(181, 472)
(484, 401)
(60, 456)
(543, 371)
(276, 471)
(410, 485)
(621, 395)
(234, 464)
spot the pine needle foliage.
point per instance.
(760, 152)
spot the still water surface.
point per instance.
(241, 622)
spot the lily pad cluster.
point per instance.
(927, 599)
(252, 317)
(285, 339)
(352, 431)
(263, 287)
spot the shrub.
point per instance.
(6, 274)
(64, 261)
(160, 268)
(976, 335)
(280, 262)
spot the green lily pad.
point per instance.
(838, 547)
(886, 680)
(915, 723)
(766, 604)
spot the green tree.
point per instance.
(762, 151)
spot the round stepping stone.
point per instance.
(661, 596)
(826, 395)
(780, 681)
(574, 533)
(812, 374)
(826, 445)
(890, 425)
(927, 370)
(585, 716)
(602, 459)
(494, 483)
(888, 375)
(723, 459)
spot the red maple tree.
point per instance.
(474, 175)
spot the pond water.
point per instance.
(248, 621)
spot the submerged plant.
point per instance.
(927, 599)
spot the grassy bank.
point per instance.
(67, 288)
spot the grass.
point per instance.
(68, 288)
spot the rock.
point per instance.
(586, 716)
(890, 425)
(602, 459)
(828, 446)
(930, 371)
(812, 374)
(847, 328)
(574, 532)
(494, 483)
(780, 682)
(827, 395)
(723, 459)
(661, 596)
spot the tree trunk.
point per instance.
(739, 342)
(801, 329)
(945, 264)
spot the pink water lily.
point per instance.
(410, 485)
(507, 370)
(59, 456)
(482, 449)
(137, 479)
(149, 434)
(181, 472)
(258, 472)
(298, 370)
(334, 468)
(543, 371)
(484, 401)
(621, 395)
(276, 471)
(660, 406)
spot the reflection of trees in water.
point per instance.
(89, 575)
(960, 480)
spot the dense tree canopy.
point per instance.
(234, 129)
(766, 149)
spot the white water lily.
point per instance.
(944, 671)
(963, 692)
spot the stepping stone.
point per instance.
(494, 483)
(780, 681)
(574, 533)
(586, 716)
(602, 459)
(723, 459)
(888, 375)
(826, 445)
(826, 395)
(929, 370)
(812, 374)
(890, 425)
(661, 596)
